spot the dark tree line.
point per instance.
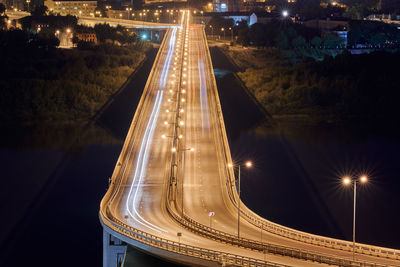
(42, 83)
(342, 88)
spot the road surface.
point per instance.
(203, 177)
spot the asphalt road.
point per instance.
(141, 196)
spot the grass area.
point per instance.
(343, 88)
(55, 85)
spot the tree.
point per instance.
(332, 41)
(299, 41)
(39, 11)
(309, 8)
(378, 39)
(316, 41)
(2, 9)
(3, 16)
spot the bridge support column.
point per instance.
(113, 250)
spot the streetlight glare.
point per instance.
(230, 165)
(173, 149)
(163, 136)
(285, 13)
(249, 164)
(346, 180)
(192, 149)
(363, 179)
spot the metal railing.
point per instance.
(115, 224)
(107, 218)
(275, 228)
(172, 246)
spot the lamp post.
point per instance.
(129, 9)
(212, 31)
(347, 181)
(230, 28)
(247, 164)
(174, 150)
(223, 30)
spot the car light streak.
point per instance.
(167, 63)
(205, 120)
(141, 165)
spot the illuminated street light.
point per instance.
(247, 164)
(347, 181)
(285, 13)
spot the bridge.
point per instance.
(91, 21)
(175, 169)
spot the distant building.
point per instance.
(86, 37)
(328, 24)
(244, 5)
(14, 4)
(237, 17)
(387, 18)
(226, 5)
(150, 2)
(75, 8)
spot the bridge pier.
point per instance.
(113, 250)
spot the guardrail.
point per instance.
(217, 256)
(136, 23)
(108, 219)
(280, 230)
(172, 246)
(215, 234)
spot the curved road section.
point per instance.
(173, 193)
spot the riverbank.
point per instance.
(298, 166)
(341, 89)
(54, 179)
(59, 86)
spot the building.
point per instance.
(150, 2)
(86, 37)
(226, 5)
(328, 24)
(74, 8)
(118, 14)
(249, 17)
(245, 5)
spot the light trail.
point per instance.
(143, 155)
(203, 98)
(141, 164)
(167, 63)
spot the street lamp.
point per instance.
(230, 28)
(347, 181)
(247, 164)
(285, 13)
(223, 30)
(212, 30)
(175, 150)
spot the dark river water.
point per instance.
(53, 178)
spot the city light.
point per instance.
(285, 13)
(363, 179)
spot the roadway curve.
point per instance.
(144, 201)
